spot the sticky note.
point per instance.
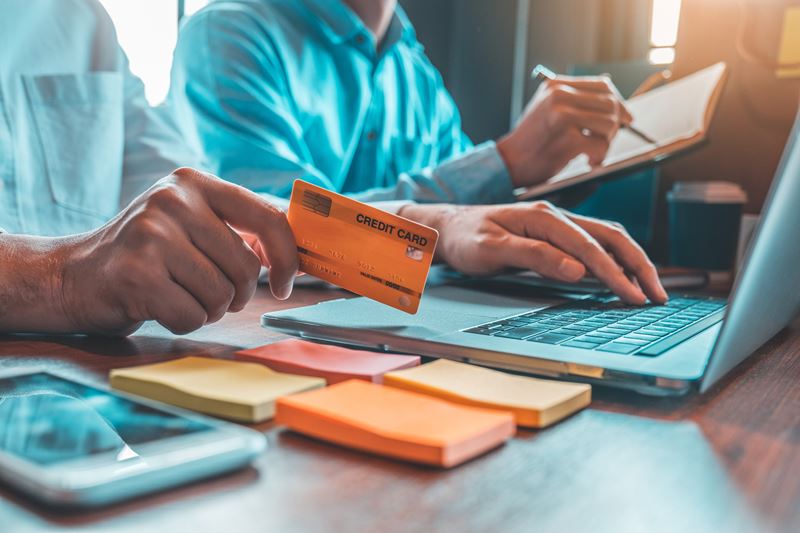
(244, 392)
(534, 402)
(789, 52)
(395, 423)
(332, 363)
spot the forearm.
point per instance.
(478, 176)
(30, 285)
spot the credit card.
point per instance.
(360, 248)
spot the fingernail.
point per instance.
(640, 296)
(571, 269)
(663, 294)
(284, 291)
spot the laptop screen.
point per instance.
(766, 295)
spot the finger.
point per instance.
(557, 229)
(633, 259)
(175, 309)
(597, 84)
(229, 252)
(573, 142)
(541, 257)
(249, 212)
(599, 94)
(208, 233)
(600, 124)
(625, 114)
(201, 278)
(585, 100)
(255, 245)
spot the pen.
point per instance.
(541, 72)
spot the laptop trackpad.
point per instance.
(444, 309)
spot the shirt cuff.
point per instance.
(479, 176)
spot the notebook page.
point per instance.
(668, 114)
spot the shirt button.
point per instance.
(371, 135)
(360, 39)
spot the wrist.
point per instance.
(71, 259)
(506, 147)
(32, 284)
(438, 217)
(524, 169)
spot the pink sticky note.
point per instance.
(332, 363)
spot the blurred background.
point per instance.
(486, 49)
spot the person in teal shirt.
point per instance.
(340, 93)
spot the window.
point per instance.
(192, 6)
(664, 31)
(148, 31)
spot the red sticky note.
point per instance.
(333, 363)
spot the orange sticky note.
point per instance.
(395, 423)
(333, 363)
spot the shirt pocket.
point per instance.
(79, 120)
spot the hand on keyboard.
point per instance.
(536, 236)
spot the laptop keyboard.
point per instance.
(608, 325)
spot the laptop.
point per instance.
(687, 344)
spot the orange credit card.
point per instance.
(361, 248)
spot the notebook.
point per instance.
(395, 423)
(789, 52)
(534, 402)
(245, 392)
(676, 115)
(332, 363)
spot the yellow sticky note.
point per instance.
(789, 53)
(534, 402)
(245, 392)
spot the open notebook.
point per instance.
(676, 115)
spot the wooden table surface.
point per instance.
(725, 461)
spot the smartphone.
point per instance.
(74, 444)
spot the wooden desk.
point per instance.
(726, 461)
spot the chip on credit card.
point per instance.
(361, 248)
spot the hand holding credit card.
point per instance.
(360, 248)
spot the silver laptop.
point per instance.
(688, 343)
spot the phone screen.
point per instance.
(46, 419)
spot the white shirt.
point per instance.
(77, 137)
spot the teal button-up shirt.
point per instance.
(274, 90)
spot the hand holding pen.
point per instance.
(541, 72)
(565, 118)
